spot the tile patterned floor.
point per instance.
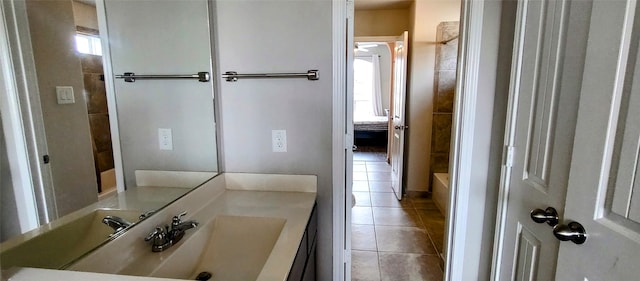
(391, 239)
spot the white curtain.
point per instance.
(376, 99)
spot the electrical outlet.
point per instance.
(279, 140)
(165, 140)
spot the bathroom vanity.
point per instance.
(250, 227)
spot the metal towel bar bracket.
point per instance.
(131, 77)
(232, 76)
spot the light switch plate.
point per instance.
(65, 95)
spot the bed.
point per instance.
(371, 130)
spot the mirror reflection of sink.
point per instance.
(229, 248)
(61, 245)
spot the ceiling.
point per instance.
(382, 4)
(359, 4)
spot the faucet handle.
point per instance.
(178, 219)
(146, 214)
(181, 214)
(157, 233)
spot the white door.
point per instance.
(583, 159)
(349, 142)
(400, 53)
(539, 137)
(605, 170)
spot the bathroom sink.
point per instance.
(63, 244)
(228, 248)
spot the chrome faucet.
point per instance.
(163, 238)
(117, 223)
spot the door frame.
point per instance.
(36, 182)
(478, 118)
(342, 14)
(476, 142)
(385, 39)
(109, 81)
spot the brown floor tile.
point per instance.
(362, 198)
(409, 267)
(359, 176)
(423, 203)
(378, 167)
(361, 215)
(360, 186)
(400, 239)
(359, 167)
(432, 219)
(407, 234)
(434, 224)
(363, 237)
(396, 217)
(437, 238)
(388, 200)
(364, 266)
(380, 186)
(379, 176)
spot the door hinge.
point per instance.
(350, 9)
(509, 155)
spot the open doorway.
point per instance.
(89, 49)
(387, 228)
(396, 238)
(372, 90)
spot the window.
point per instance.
(362, 88)
(88, 44)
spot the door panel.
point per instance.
(528, 255)
(400, 53)
(604, 168)
(541, 135)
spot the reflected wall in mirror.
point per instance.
(74, 135)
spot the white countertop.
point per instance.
(236, 194)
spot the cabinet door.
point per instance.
(310, 269)
(297, 269)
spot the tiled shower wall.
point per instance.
(445, 88)
(96, 98)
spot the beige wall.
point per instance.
(381, 22)
(421, 20)
(184, 106)
(66, 125)
(85, 15)
(426, 15)
(251, 108)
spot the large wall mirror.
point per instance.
(93, 141)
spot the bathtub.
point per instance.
(441, 192)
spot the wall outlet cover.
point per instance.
(279, 140)
(165, 139)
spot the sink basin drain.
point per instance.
(203, 276)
